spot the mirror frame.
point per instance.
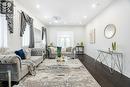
(114, 27)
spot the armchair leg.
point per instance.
(9, 78)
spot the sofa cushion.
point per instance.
(37, 59)
(24, 70)
(20, 53)
(3, 50)
(9, 52)
(37, 51)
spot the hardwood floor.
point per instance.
(102, 74)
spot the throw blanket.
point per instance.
(31, 66)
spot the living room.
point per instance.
(99, 27)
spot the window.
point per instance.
(26, 37)
(65, 39)
(38, 39)
(3, 31)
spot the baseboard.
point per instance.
(102, 73)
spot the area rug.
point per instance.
(50, 73)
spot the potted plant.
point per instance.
(114, 46)
(81, 43)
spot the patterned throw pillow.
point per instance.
(27, 52)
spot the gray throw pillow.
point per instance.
(68, 49)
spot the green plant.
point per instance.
(82, 43)
(114, 46)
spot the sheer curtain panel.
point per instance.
(26, 37)
(3, 31)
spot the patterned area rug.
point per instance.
(70, 73)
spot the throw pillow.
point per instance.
(20, 53)
(68, 49)
(27, 52)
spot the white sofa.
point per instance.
(11, 62)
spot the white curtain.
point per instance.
(43, 43)
(3, 31)
(26, 37)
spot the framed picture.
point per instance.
(92, 36)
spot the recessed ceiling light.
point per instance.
(56, 21)
(64, 22)
(50, 22)
(37, 6)
(80, 23)
(46, 17)
(94, 5)
(85, 17)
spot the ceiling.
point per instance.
(65, 12)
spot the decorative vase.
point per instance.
(59, 51)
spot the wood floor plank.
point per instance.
(102, 74)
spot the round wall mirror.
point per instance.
(109, 31)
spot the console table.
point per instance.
(114, 58)
(79, 49)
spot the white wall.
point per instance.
(119, 14)
(77, 31)
(14, 40)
